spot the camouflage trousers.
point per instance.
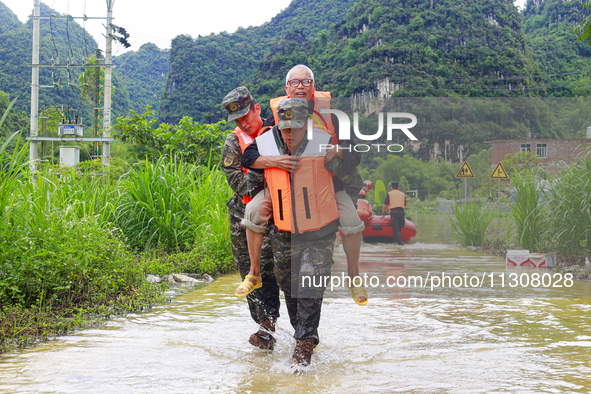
(263, 303)
(299, 262)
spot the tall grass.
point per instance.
(209, 196)
(527, 211)
(570, 199)
(65, 237)
(11, 169)
(471, 220)
(155, 206)
(171, 205)
(60, 244)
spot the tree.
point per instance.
(583, 29)
(521, 161)
(403, 184)
(193, 142)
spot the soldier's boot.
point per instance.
(302, 353)
(263, 338)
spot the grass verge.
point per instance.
(24, 325)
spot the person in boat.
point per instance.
(300, 84)
(364, 209)
(305, 218)
(395, 204)
(263, 302)
(367, 186)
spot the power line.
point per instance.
(53, 38)
(84, 30)
(68, 31)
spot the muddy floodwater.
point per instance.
(428, 340)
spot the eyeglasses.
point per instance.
(294, 83)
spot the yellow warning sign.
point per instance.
(499, 172)
(465, 171)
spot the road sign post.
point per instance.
(499, 173)
(465, 172)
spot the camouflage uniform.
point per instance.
(348, 174)
(298, 255)
(264, 302)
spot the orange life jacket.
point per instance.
(397, 199)
(245, 140)
(321, 121)
(364, 209)
(304, 201)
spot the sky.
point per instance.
(159, 22)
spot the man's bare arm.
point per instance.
(283, 162)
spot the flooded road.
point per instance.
(403, 341)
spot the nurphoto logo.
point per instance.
(344, 130)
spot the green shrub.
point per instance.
(67, 260)
(570, 199)
(471, 220)
(526, 210)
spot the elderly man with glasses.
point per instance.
(347, 181)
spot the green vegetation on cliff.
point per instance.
(565, 60)
(414, 48)
(204, 69)
(62, 41)
(143, 73)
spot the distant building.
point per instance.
(550, 151)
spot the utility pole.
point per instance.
(108, 72)
(33, 146)
(96, 111)
(73, 133)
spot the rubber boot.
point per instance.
(263, 338)
(302, 353)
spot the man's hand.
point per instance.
(333, 152)
(287, 163)
(283, 162)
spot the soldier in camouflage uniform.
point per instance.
(299, 82)
(302, 254)
(263, 302)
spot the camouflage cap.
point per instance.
(292, 113)
(237, 103)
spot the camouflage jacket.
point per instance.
(231, 157)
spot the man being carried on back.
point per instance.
(305, 219)
(347, 182)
